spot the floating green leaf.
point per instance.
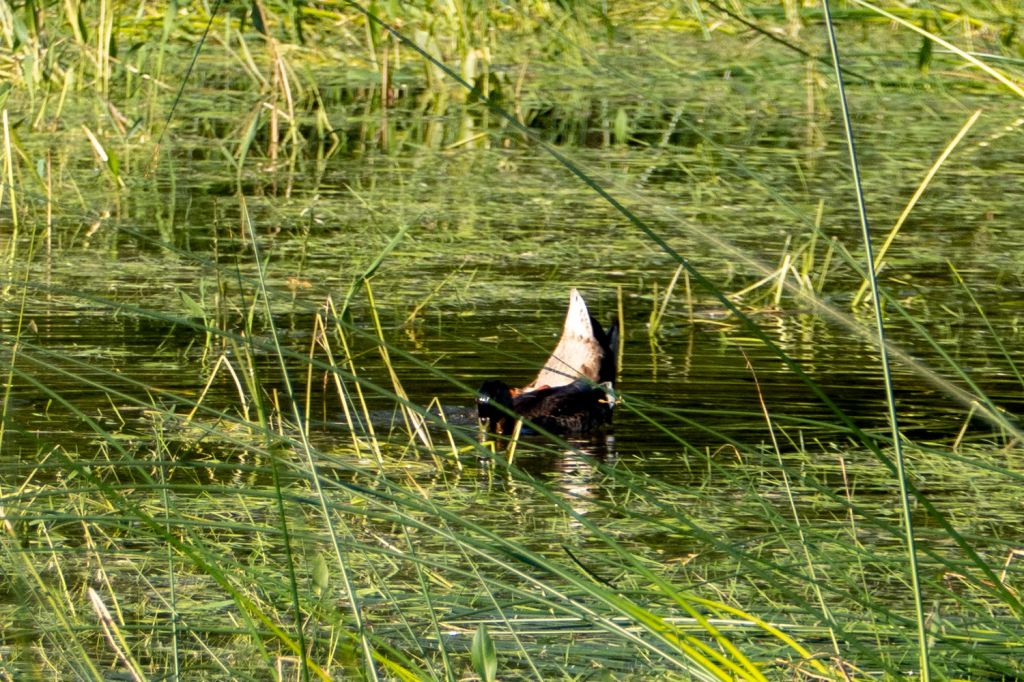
(485, 659)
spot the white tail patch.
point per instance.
(578, 353)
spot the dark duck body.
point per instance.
(573, 409)
(574, 392)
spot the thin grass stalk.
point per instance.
(880, 256)
(169, 22)
(908, 524)
(963, 54)
(109, 159)
(23, 299)
(49, 207)
(413, 422)
(620, 310)
(372, 267)
(825, 610)
(523, 651)
(304, 437)
(826, 261)
(992, 334)
(172, 582)
(777, 275)
(94, 541)
(222, 360)
(689, 296)
(105, 24)
(9, 183)
(7, 23)
(303, 652)
(287, 89)
(435, 403)
(424, 585)
(344, 395)
(115, 637)
(429, 297)
(245, 59)
(184, 80)
(780, 285)
(963, 431)
(72, 11)
(514, 441)
(854, 538)
(657, 317)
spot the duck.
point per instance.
(568, 410)
(573, 393)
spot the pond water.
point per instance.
(478, 284)
(739, 164)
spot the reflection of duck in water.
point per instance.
(573, 393)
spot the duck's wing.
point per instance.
(575, 408)
(579, 352)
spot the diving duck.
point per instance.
(572, 409)
(574, 391)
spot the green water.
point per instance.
(734, 155)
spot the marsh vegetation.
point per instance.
(257, 258)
